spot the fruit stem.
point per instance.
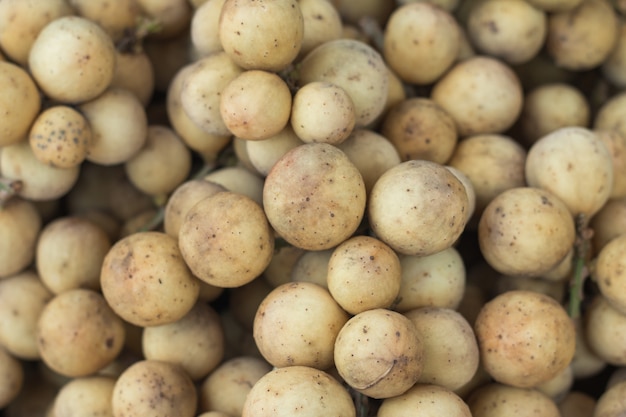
(581, 272)
(133, 37)
(8, 189)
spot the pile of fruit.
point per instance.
(227, 208)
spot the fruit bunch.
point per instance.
(226, 208)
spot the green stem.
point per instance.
(576, 289)
(582, 249)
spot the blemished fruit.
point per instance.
(224, 208)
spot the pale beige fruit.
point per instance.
(206, 144)
(574, 165)
(550, 107)
(21, 21)
(608, 272)
(226, 388)
(60, 136)
(195, 342)
(354, 66)
(308, 320)
(314, 197)
(72, 60)
(204, 27)
(525, 231)
(162, 164)
(134, 71)
(78, 333)
(493, 163)
(119, 126)
(363, 274)
(307, 390)
(145, 280)
(512, 30)
(90, 395)
(420, 129)
(312, 266)
(20, 223)
(22, 298)
(238, 179)
(69, 254)
(615, 142)
(449, 344)
(371, 153)
(263, 154)
(435, 280)
(421, 42)
(154, 388)
(611, 402)
(582, 38)
(379, 353)
(608, 223)
(183, 198)
(255, 105)
(427, 400)
(115, 18)
(40, 181)
(506, 325)
(201, 90)
(12, 372)
(231, 230)
(418, 208)
(263, 36)
(499, 400)
(322, 23)
(19, 104)
(482, 94)
(322, 112)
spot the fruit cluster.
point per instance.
(226, 208)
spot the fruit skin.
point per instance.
(72, 59)
(314, 196)
(525, 338)
(418, 208)
(525, 231)
(261, 35)
(231, 231)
